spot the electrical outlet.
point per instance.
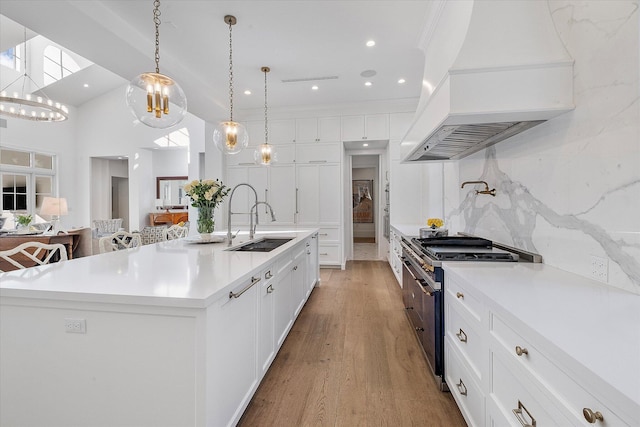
(600, 268)
(75, 326)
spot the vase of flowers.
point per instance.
(206, 195)
(23, 221)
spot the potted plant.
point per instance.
(23, 220)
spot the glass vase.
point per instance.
(206, 223)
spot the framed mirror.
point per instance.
(170, 192)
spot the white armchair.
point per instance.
(106, 227)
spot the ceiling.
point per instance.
(299, 40)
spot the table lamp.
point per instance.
(54, 207)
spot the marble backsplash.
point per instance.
(569, 189)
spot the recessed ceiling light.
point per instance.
(314, 87)
(368, 83)
(365, 145)
(86, 85)
(371, 43)
(401, 81)
(368, 73)
(247, 92)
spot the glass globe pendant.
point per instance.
(265, 154)
(229, 136)
(155, 99)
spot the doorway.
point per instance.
(365, 200)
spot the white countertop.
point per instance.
(408, 230)
(594, 324)
(174, 273)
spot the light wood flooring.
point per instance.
(351, 359)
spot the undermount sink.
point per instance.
(262, 245)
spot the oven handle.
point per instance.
(423, 282)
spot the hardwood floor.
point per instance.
(351, 360)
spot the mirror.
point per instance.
(170, 192)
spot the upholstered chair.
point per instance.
(106, 227)
(153, 234)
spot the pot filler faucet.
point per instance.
(252, 225)
(486, 190)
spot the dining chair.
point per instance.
(31, 254)
(106, 227)
(118, 241)
(176, 231)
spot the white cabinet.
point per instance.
(281, 131)
(321, 129)
(370, 127)
(282, 301)
(318, 153)
(318, 194)
(231, 324)
(502, 371)
(280, 195)
(312, 272)
(298, 280)
(395, 254)
(266, 321)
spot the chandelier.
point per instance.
(230, 137)
(22, 105)
(156, 99)
(265, 154)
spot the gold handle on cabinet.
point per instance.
(462, 336)
(462, 388)
(520, 351)
(591, 416)
(460, 295)
(519, 415)
(270, 289)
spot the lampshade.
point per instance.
(265, 154)
(54, 206)
(18, 103)
(230, 137)
(155, 99)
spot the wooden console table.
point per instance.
(161, 218)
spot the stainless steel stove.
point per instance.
(423, 284)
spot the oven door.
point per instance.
(421, 303)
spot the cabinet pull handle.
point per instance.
(268, 275)
(591, 416)
(246, 164)
(520, 351)
(460, 295)
(419, 329)
(323, 234)
(462, 336)
(324, 253)
(297, 211)
(520, 416)
(462, 388)
(295, 268)
(254, 280)
(266, 199)
(270, 289)
(308, 252)
(317, 161)
(408, 308)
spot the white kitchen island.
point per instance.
(149, 336)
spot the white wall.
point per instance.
(569, 189)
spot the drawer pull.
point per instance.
(591, 416)
(460, 295)
(462, 336)
(520, 416)
(268, 275)
(254, 280)
(419, 329)
(462, 388)
(408, 308)
(270, 289)
(520, 351)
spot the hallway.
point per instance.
(351, 360)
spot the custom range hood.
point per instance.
(493, 69)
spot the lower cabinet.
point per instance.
(501, 371)
(395, 255)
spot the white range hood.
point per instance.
(493, 69)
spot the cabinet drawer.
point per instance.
(329, 234)
(463, 387)
(513, 391)
(329, 255)
(461, 296)
(567, 393)
(466, 339)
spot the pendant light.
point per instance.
(156, 99)
(23, 105)
(265, 154)
(230, 137)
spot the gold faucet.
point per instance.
(486, 187)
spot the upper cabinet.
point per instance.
(280, 131)
(372, 127)
(322, 129)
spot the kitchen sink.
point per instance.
(262, 245)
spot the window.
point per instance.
(12, 58)
(57, 65)
(25, 179)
